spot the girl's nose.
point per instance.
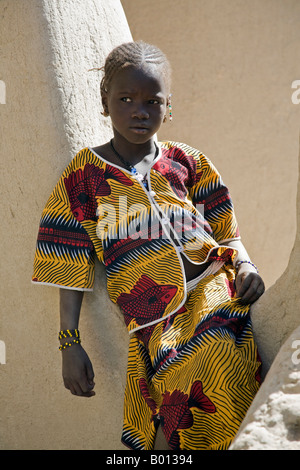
(140, 113)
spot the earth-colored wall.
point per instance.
(273, 419)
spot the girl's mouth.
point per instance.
(139, 130)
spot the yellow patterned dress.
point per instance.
(193, 365)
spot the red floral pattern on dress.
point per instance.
(147, 301)
(86, 184)
(175, 411)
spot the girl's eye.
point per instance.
(125, 99)
(153, 101)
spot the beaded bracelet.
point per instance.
(68, 345)
(68, 333)
(248, 262)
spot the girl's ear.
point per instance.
(105, 111)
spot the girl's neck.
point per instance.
(132, 152)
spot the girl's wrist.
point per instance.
(68, 338)
(71, 333)
(247, 265)
(68, 344)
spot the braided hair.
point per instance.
(136, 54)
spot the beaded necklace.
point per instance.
(131, 167)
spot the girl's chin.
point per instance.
(136, 135)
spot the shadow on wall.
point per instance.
(276, 314)
(272, 421)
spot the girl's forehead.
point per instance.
(139, 77)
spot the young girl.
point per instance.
(162, 221)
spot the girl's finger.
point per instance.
(254, 291)
(243, 284)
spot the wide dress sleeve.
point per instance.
(67, 242)
(211, 192)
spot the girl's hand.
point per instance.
(77, 371)
(249, 284)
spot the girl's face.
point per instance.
(137, 103)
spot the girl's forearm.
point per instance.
(70, 306)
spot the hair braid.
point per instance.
(135, 54)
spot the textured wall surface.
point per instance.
(52, 110)
(273, 420)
